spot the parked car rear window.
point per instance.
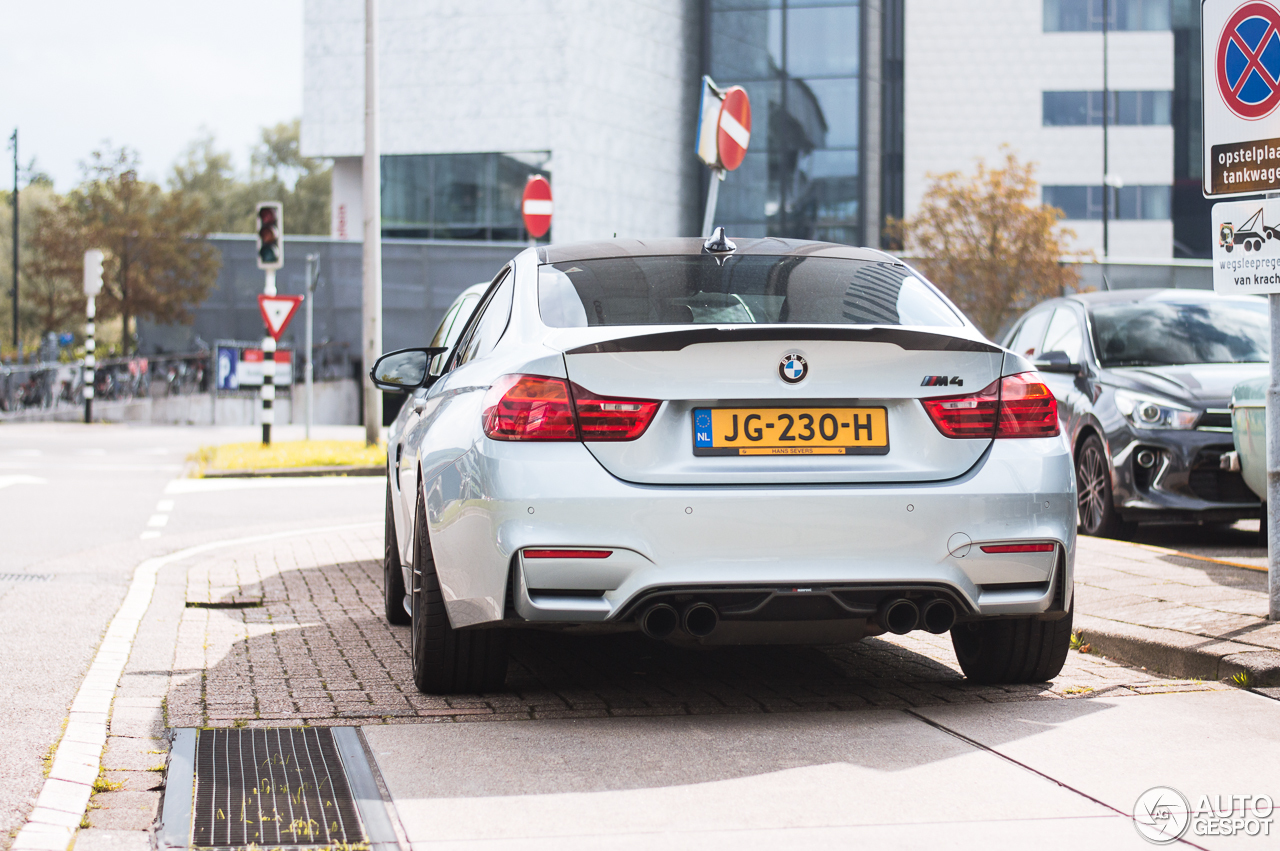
(1160, 333)
(751, 289)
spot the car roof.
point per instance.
(668, 246)
(1164, 294)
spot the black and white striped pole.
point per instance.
(270, 221)
(92, 286)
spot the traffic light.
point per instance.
(93, 259)
(270, 227)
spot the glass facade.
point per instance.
(1126, 203)
(1193, 234)
(799, 62)
(1124, 15)
(1080, 109)
(457, 196)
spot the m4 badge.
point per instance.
(942, 381)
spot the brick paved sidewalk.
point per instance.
(1176, 613)
(292, 632)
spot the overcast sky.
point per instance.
(143, 73)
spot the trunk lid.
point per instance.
(739, 367)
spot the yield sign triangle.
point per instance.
(277, 310)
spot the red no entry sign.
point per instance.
(734, 128)
(1248, 61)
(535, 206)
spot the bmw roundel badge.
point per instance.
(793, 368)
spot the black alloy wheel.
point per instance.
(393, 592)
(1094, 497)
(447, 660)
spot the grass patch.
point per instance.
(289, 454)
(1242, 679)
(102, 784)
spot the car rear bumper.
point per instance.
(501, 499)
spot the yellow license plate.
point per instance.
(790, 431)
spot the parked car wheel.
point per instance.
(1098, 515)
(392, 574)
(1012, 650)
(447, 660)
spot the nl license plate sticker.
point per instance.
(790, 431)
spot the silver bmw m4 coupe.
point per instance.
(776, 441)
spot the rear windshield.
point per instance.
(1152, 333)
(751, 289)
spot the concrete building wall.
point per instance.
(975, 75)
(609, 88)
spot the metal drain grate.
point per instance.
(272, 788)
(25, 577)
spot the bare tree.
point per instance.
(987, 243)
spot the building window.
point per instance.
(799, 61)
(1126, 203)
(1078, 109)
(457, 196)
(1086, 15)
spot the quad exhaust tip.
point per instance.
(938, 616)
(701, 619)
(659, 621)
(899, 616)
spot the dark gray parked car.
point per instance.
(1143, 380)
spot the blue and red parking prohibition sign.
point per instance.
(1249, 61)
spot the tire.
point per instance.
(1094, 498)
(447, 660)
(1012, 650)
(393, 593)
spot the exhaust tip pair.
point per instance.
(661, 620)
(901, 616)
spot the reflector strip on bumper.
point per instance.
(1019, 548)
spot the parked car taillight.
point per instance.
(1014, 406)
(529, 407)
(536, 407)
(605, 418)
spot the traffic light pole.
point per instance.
(268, 369)
(90, 361)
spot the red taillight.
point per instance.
(1019, 548)
(529, 407)
(1014, 406)
(966, 416)
(1027, 408)
(536, 407)
(567, 553)
(603, 418)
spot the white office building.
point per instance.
(853, 106)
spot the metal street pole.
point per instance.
(93, 259)
(17, 342)
(268, 368)
(90, 361)
(371, 303)
(313, 267)
(713, 195)
(1106, 109)
(1272, 518)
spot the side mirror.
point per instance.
(402, 371)
(1057, 362)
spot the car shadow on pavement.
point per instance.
(318, 650)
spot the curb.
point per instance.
(1179, 654)
(286, 472)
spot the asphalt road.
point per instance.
(80, 508)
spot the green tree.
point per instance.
(988, 243)
(37, 293)
(277, 172)
(159, 262)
